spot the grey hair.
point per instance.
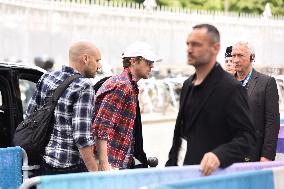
(248, 45)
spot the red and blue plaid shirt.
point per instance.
(115, 113)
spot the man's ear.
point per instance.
(85, 58)
(252, 58)
(216, 47)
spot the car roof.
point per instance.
(16, 65)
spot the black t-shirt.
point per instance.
(191, 104)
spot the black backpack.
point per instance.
(33, 134)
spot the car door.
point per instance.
(5, 107)
(17, 86)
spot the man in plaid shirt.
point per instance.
(117, 126)
(70, 148)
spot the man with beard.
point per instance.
(214, 126)
(70, 148)
(117, 125)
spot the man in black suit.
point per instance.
(263, 101)
(214, 126)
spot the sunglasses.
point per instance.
(149, 62)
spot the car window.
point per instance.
(1, 100)
(26, 88)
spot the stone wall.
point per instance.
(32, 28)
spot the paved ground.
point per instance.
(158, 132)
(157, 135)
(148, 118)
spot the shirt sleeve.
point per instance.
(82, 118)
(272, 120)
(110, 110)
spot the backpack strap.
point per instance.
(100, 82)
(61, 88)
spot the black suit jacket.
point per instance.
(221, 123)
(263, 100)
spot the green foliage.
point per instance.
(170, 3)
(241, 6)
(277, 7)
(214, 5)
(245, 6)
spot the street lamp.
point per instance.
(267, 11)
(226, 6)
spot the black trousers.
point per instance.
(46, 169)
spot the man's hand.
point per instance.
(102, 155)
(264, 159)
(88, 158)
(209, 163)
(103, 166)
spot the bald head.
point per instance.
(84, 57)
(80, 48)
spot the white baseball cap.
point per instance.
(140, 48)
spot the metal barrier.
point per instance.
(133, 179)
(26, 167)
(11, 167)
(264, 179)
(14, 168)
(280, 143)
(30, 182)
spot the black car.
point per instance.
(17, 84)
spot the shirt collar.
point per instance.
(127, 73)
(207, 78)
(250, 73)
(70, 70)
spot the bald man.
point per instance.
(70, 148)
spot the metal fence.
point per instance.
(31, 28)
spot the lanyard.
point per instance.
(246, 80)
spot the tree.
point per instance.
(240, 6)
(257, 6)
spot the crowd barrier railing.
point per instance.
(280, 142)
(134, 179)
(257, 179)
(11, 167)
(14, 168)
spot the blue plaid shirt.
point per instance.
(73, 117)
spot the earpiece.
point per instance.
(251, 58)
